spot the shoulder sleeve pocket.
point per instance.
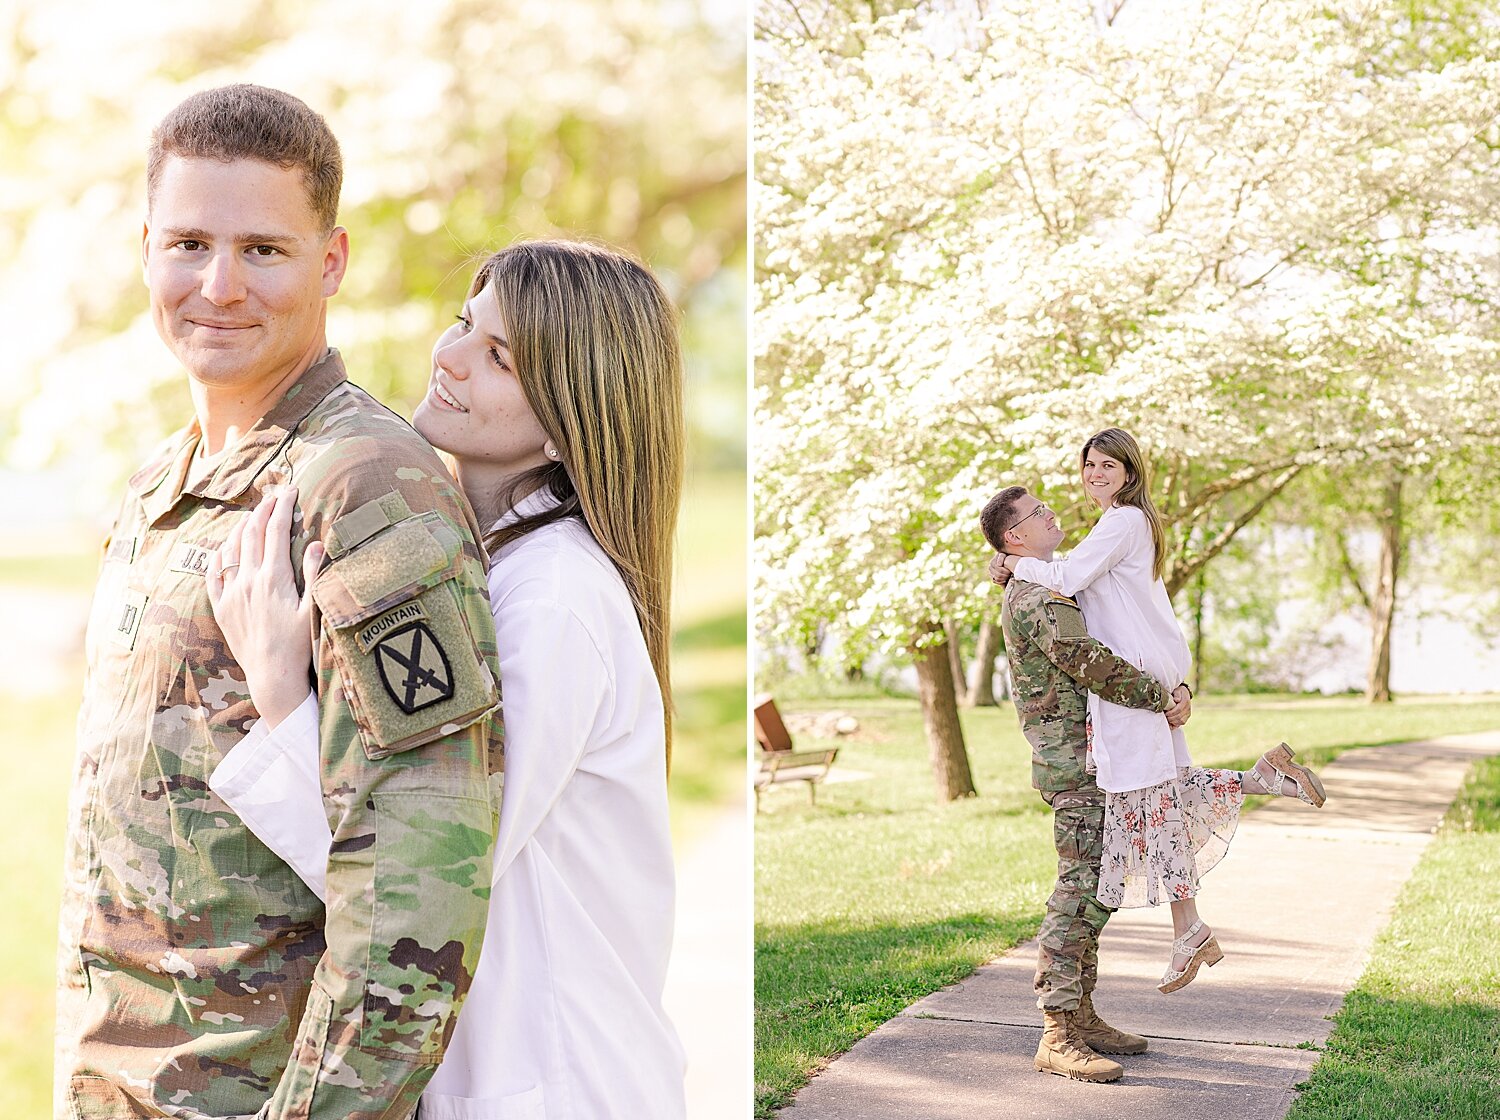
(395, 617)
(1067, 621)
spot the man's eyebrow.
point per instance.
(193, 233)
(265, 239)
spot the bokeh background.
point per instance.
(465, 124)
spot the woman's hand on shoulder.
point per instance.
(267, 624)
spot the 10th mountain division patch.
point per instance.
(414, 669)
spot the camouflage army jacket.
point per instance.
(1054, 664)
(198, 976)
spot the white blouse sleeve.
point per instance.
(556, 689)
(1110, 542)
(272, 779)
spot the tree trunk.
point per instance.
(956, 663)
(945, 736)
(982, 684)
(1383, 601)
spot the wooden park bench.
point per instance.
(778, 761)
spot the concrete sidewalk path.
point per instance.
(1296, 904)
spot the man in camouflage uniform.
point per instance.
(198, 975)
(1054, 664)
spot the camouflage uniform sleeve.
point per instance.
(405, 664)
(1058, 630)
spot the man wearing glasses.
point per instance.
(1054, 664)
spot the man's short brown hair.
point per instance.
(253, 122)
(999, 514)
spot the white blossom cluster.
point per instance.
(1261, 237)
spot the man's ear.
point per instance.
(335, 261)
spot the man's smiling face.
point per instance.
(1034, 528)
(238, 270)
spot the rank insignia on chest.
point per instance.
(414, 670)
(127, 623)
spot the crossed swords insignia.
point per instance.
(414, 651)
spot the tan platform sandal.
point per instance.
(1208, 953)
(1279, 759)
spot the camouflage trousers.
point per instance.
(1067, 964)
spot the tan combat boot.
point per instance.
(1098, 1035)
(1062, 1052)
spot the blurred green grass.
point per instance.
(72, 572)
(708, 771)
(39, 732)
(708, 654)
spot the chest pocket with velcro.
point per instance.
(394, 614)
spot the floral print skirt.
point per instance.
(1160, 840)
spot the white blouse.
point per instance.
(564, 1020)
(1125, 607)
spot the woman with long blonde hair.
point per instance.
(557, 395)
(1166, 821)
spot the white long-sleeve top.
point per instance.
(564, 1019)
(1126, 607)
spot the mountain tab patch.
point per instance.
(414, 668)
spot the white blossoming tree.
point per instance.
(979, 242)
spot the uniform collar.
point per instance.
(163, 481)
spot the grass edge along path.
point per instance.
(840, 950)
(1419, 1034)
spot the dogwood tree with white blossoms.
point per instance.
(1255, 235)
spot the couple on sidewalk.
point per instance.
(1094, 648)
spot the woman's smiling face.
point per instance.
(475, 407)
(1103, 477)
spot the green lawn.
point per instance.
(68, 572)
(1420, 1033)
(880, 895)
(39, 733)
(708, 773)
(708, 654)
